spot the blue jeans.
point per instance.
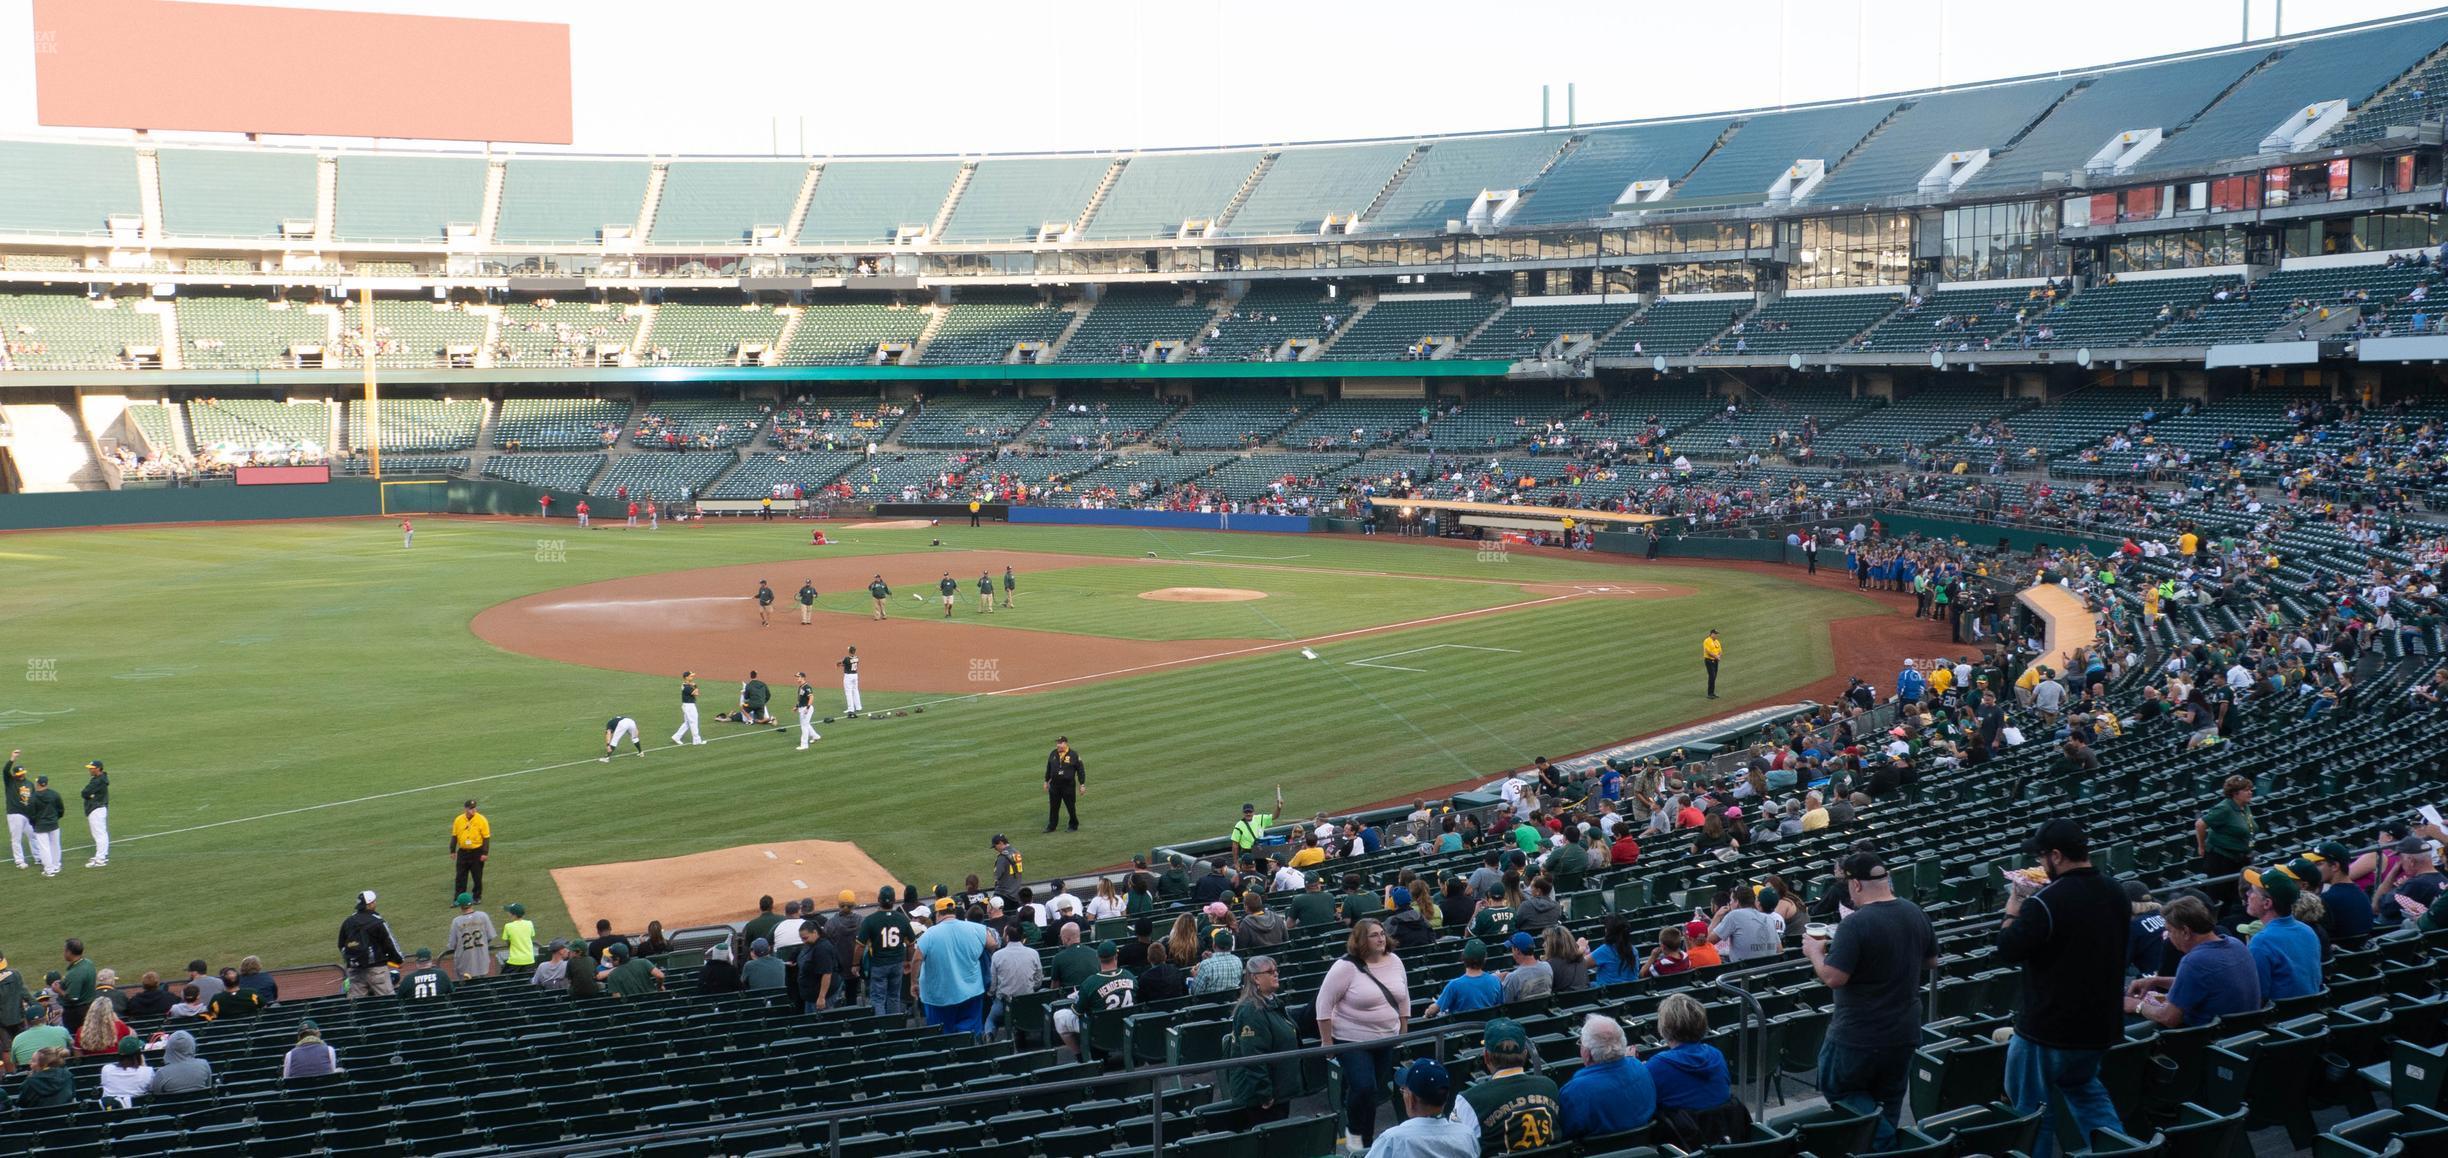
(2061, 1080)
(1367, 1075)
(1868, 1079)
(884, 989)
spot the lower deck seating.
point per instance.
(560, 472)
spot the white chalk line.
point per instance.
(1262, 558)
(1372, 660)
(1241, 651)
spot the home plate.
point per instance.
(711, 888)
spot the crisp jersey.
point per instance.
(1493, 922)
(1517, 1111)
(886, 935)
(1107, 992)
(878, 589)
(947, 586)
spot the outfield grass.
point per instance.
(292, 713)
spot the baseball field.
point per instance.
(290, 713)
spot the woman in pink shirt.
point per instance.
(1365, 997)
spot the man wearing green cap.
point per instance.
(518, 938)
(883, 953)
(2286, 952)
(96, 795)
(425, 981)
(1515, 1109)
(1476, 988)
(471, 940)
(629, 976)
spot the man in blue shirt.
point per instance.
(950, 958)
(2214, 978)
(1611, 1092)
(2286, 952)
(1910, 683)
(1476, 988)
(2348, 908)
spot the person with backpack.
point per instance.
(368, 950)
(1366, 995)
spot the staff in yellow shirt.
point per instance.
(471, 843)
(1712, 649)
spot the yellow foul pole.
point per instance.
(373, 397)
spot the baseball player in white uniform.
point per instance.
(850, 692)
(807, 713)
(19, 786)
(688, 710)
(617, 729)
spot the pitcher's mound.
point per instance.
(713, 888)
(1202, 595)
(889, 525)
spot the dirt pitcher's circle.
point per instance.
(1202, 595)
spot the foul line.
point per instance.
(1241, 651)
(1264, 558)
(1372, 660)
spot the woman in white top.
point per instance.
(126, 1077)
(1107, 903)
(1366, 996)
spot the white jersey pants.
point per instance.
(807, 726)
(21, 834)
(850, 693)
(688, 725)
(47, 850)
(625, 730)
(98, 823)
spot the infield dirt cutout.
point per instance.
(705, 888)
(890, 525)
(1202, 595)
(705, 621)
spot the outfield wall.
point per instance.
(223, 502)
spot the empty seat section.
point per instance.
(1893, 162)
(558, 423)
(2159, 96)
(2119, 314)
(2351, 67)
(360, 463)
(59, 331)
(1450, 174)
(970, 420)
(1806, 323)
(1266, 317)
(155, 425)
(1304, 186)
(1411, 327)
(2419, 98)
(1935, 415)
(233, 332)
(1948, 318)
(1751, 160)
(411, 333)
(1128, 321)
(419, 424)
(557, 333)
(235, 427)
(1011, 200)
(1526, 330)
(721, 202)
(860, 202)
(1673, 327)
(65, 190)
(818, 421)
(713, 334)
(1087, 420)
(246, 193)
(551, 201)
(1259, 476)
(1157, 192)
(1357, 424)
(1225, 417)
(1592, 179)
(2293, 298)
(699, 423)
(387, 198)
(1493, 421)
(675, 475)
(985, 331)
(560, 472)
(1736, 430)
(757, 477)
(849, 333)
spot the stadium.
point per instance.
(1901, 624)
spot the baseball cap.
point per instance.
(1693, 929)
(471, 802)
(884, 895)
(1864, 866)
(1427, 1080)
(1474, 950)
(1401, 897)
(424, 954)
(942, 903)
(96, 765)
(2413, 846)
(1506, 1036)
(515, 909)
(1106, 950)
(1220, 939)
(999, 838)
(1522, 943)
(42, 780)
(555, 945)
(2329, 852)
(2136, 892)
(466, 899)
(620, 950)
(760, 945)
(366, 897)
(1247, 808)
(2281, 886)
(131, 1044)
(847, 897)
(2063, 836)
(1217, 910)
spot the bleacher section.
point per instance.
(1759, 420)
(2161, 96)
(1265, 318)
(1138, 477)
(847, 333)
(1306, 185)
(850, 420)
(1742, 169)
(1451, 174)
(2121, 314)
(410, 333)
(1673, 327)
(2269, 306)
(387, 197)
(65, 190)
(699, 423)
(160, 430)
(983, 332)
(1010, 200)
(2351, 66)
(559, 334)
(1526, 329)
(242, 193)
(560, 472)
(1380, 421)
(555, 201)
(1128, 319)
(1806, 323)
(1980, 118)
(419, 424)
(954, 420)
(558, 423)
(1227, 418)
(395, 464)
(1586, 183)
(1937, 414)
(720, 202)
(58, 331)
(261, 425)
(2082, 418)
(757, 477)
(1410, 327)
(860, 202)
(1951, 317)
(1255, 476)
(1494, 422)
(679, 475)
(713, 334)
(1123, 417)
(2419, 99)
(1157, 192)
(232, 332)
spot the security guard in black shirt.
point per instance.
(1065, 776)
